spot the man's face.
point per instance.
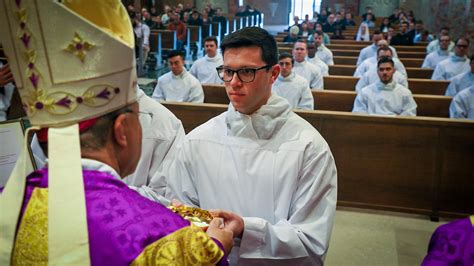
(176, 64)
(331, 19)
(444, 42)
(391, 31)
(419, 27)
(211, 48)
(385, 72)
(461, 48)
(382, 43)
(319, 27)
(383, 53)
(285, 66)
(377, 37)
(300, 52)
(249, 97)
(403, 28)
(318, 39)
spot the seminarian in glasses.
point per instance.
(456, 63)
(268, 171)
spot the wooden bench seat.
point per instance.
(410, 164)
(333, 100)
(413, 72)
(352, 60)
(336, 100)
(417, 86)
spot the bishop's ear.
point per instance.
(119, 131)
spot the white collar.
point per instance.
(386, 87)
(180, 76)
(287, 78)
(213, 59)
(94, 165)
(263, 123)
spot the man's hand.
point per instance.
(225, 236)
(6, 75)
(232, 221)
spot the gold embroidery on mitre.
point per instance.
(187, 246)
(79, 47)
(31, 244)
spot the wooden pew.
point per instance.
(359, 47)
(355, 53)
(409, 164)
(335, 100)
(413, 72)
(352, 60)
(402, 54)
(417, 86)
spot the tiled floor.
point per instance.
(362, 237)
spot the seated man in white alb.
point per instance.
(435, 44)
(462, 105)
(372, 62)
(178, 85)
(371, 76)
(162, 134)
(461, 81)
(321, 50)
(371, 50)
(434, 58)
(204, 69)
(455, 64)
(291, 86)
(385, 97)
(315, 60)
(312, 73)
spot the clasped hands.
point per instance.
(224, 227)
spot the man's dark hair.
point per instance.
(210, 39)
(384, 49)
(320, 33)
(405, 23)
(96, 136)
(384, 60)
(174, 53)
(286, 55)
(463, 38)
(301, 41)
(253, 36)
(444, 28)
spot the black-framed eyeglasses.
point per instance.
(465, 46)
(245, 75)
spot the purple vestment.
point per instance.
(452, 244)
(121, 223)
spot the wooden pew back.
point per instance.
(428, 105)
(417, 86)
(333, 100)
(413, 72)
(409, 164)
